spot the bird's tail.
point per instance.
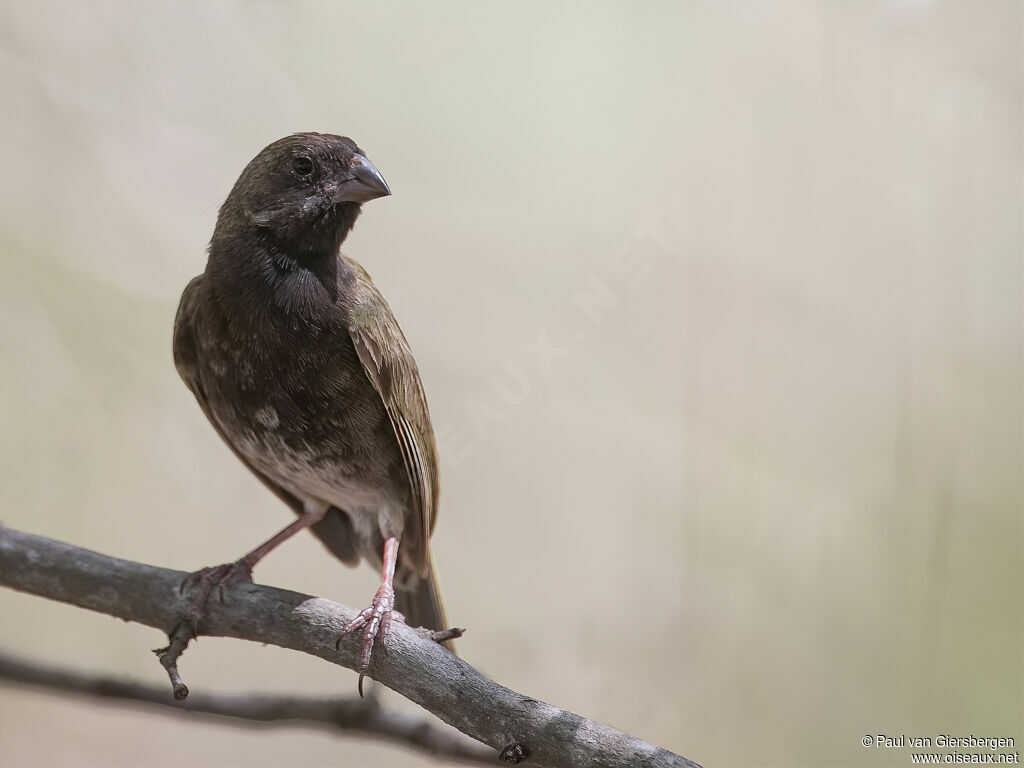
(420, 601)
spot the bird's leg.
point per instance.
(221, 576)
(378, 617)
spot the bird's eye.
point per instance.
(303, 165)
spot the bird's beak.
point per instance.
(366, 183)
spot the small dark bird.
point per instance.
(298, 362)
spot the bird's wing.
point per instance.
(390, 367)
(335, 529)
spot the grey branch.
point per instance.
(351, 715)
(522, 729)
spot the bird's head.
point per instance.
(304, 192)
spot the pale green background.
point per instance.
(768, 502)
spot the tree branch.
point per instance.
(521, 728)
(351, 715)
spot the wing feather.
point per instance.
(389, 364)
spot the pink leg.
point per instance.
(377, 618)
(304, 521)
(221, 576)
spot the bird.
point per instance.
(298, 362)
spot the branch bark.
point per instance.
(522, 729)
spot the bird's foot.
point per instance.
(205, 580)
(375, 622)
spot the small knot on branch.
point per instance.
(514, 753)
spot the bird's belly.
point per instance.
(309, 421)
(308, 475)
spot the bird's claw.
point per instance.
(375, 622)
(205, 580)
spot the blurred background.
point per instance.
(717, 305)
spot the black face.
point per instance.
(303, 191)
